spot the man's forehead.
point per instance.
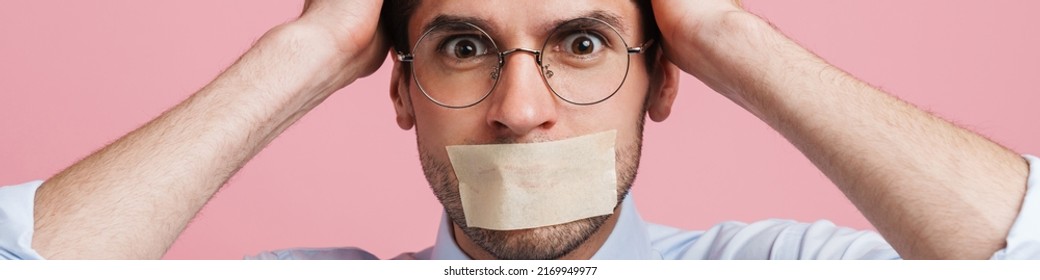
(524, 16)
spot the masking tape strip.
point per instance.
(519, 186)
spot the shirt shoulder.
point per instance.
(16, 221)
(337, 253)
(770, 239)
(340, 253)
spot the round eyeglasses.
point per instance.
(584, 61)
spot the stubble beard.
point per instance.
(549, 242)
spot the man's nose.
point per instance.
(521, 102)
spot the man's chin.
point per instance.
(548, 242)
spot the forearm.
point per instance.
(132, 198)
(934, 190)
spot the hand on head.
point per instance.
(686, 29)
(352, 28)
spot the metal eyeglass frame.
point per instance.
(409, 58)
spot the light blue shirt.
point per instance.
(632, 238)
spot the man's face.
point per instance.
(523, 109)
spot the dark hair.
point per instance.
(396, 15)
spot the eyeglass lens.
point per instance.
(458, 65)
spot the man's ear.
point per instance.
(399, 95)
(664, 86)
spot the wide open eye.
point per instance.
(582, 44)
(464, 47)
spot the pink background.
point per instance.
(75, 75)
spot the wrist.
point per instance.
(288, 71)
(357, 47)
(295, 59)
(723, 40)
(310, 53)
(741, 55)
(757, 66)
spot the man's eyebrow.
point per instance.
(605, 16)
(454, 19)
(610, 18)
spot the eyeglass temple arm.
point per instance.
(636, 50)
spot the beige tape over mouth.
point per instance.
(520, 186)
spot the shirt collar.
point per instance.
(628, 241)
